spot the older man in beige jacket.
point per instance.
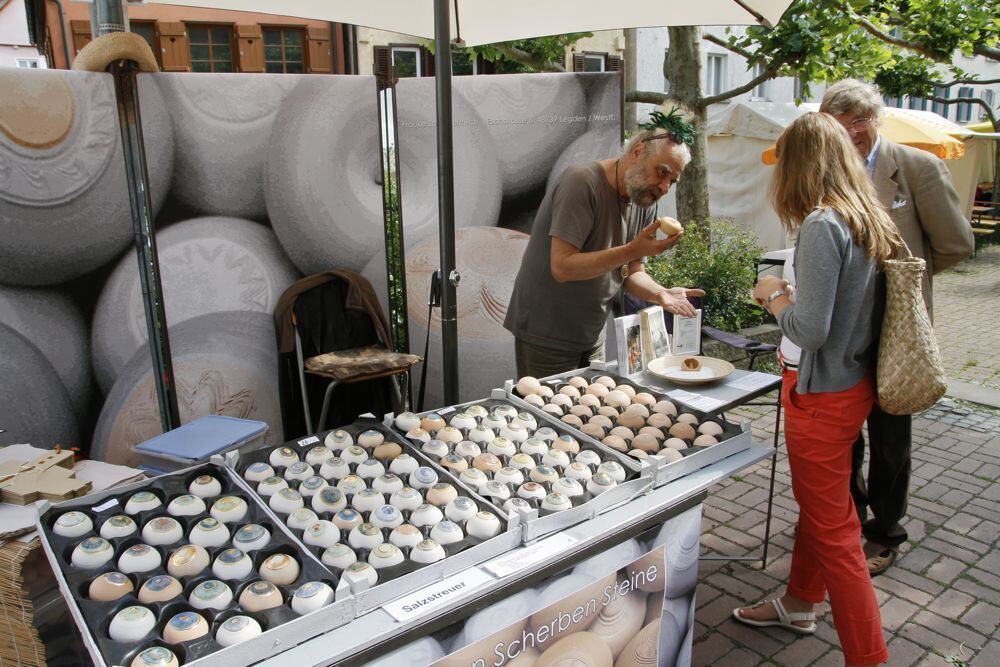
(916, 188)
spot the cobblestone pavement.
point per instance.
(966, 318)
(940, 603)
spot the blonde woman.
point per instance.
(821, 190)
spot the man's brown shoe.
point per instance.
(879, 558)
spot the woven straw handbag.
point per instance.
(910, 375)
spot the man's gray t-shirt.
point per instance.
(584, 210)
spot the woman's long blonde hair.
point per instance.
(819, 167)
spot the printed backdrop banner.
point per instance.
(514, 134)
(255, 180)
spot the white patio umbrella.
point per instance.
(491, 21)
(476, 22)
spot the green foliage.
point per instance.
(541, 49)
(540, 54)
(720, 258)
(673, 123)
(817, 40)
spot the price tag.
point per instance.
(525, 557)
(308, 441)
(437, 595)
(103, 506)
(753, 381)
(696, 401)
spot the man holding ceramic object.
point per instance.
(590, 238)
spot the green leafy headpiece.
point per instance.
(679, 129)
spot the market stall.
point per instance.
(493, 530)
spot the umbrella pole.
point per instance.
(446, 201)
(111, 18)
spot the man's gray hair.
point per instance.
(851, 96)
(658, 138)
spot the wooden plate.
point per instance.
(669, 368)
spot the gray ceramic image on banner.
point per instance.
(478, 181)
(531, 118)
(54, 324)
(488, 259)
(207, 265)
(322, 182)
(223, 123)
(224, 364)
(64, 208)
(34, 406)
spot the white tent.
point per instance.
(738, 180)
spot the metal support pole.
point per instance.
(446, 202)
(110, 17)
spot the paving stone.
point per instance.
(946, 570)
(984, 617)
(986, 578)
(952, 603)
(903, 652)
(914, 581)
(764, 641)
(989, 656)
(964, 524)
(949, 629)
(918, 559)
(955, 498)
(711, 648)
(803, 651)
(959, 547)
(740, 657)
(895, 612)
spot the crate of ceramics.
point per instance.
(525, 461)
(636, 421)
(186, 568)
(382, 516)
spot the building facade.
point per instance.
(16, 46)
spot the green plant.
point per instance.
(720, 258)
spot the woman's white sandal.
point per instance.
(784, 620)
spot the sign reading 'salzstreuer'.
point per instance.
(438, 594)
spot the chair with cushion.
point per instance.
(332, 332)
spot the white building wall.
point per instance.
(652, 43)
(15, 48)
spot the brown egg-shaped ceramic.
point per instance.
(665, 407)
(683, 430)
(646, 443)
(616, 442)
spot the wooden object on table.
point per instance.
(20, 643)
(48, 477)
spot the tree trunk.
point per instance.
(631, 67)
(682, 68)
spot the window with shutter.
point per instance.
(283, 50)
(211, 48)
(427, 62)
(250, 45)
(320, 51)
(174, 55)
(382, 61)
(964, 112)
(81, 34)
(147, 30)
